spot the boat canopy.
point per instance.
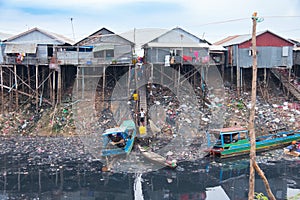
(114, 130)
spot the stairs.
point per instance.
(289, 86)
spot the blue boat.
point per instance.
(119, 140)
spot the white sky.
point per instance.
(201, 18)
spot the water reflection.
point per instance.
(191, 180)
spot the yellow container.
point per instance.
(142, 130)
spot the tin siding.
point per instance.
(267, 57)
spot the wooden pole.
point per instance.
(103, 87)
(2, 92)
(59, 83)
(238, 74)
(22, 77)
(53, 88)
(36, 87)
(10, 93)
(253, 164)
(252, 112)
(16, 85)
(28, 77)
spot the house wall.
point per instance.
(267, 57)
(190, 55)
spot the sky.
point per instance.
(212, 20)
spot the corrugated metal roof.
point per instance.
(177, 45)
(54, 36)
(217, 48)
(142, 36)
(102, 47)
(238, 39)
(296, 48)
(20, 48)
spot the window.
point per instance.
(285, 51)
(109, 53)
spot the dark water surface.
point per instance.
(58, 168)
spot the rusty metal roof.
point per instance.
(20, 48)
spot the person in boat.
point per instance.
(294, 146)
(117, 139)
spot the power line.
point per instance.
(241, 19)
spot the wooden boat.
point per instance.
(293, 149)
(154, 157)
(235, 141)
(126, 132)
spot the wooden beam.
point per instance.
(23, 93)
(16, 86)
(59, 83)
(36, 87)
(2, 92)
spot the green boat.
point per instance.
(235, 141)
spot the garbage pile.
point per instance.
(46, 121)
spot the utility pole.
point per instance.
(253, 165)
(252, 111)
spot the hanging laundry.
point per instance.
(187, 58)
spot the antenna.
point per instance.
(72, 28)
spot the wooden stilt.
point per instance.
(36, 87)
(22, 77)
(28, 77)
(223, 71)
(53, 87)
(82, 82)
(265, 76)
(59, 83)
(2, 92)
(10, 93)
(16, 86)
(238, 80)
(50, 87)
(103, 86)
(77, 80)
(289, 80)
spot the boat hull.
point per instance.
(154, 157)
(261, 146)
